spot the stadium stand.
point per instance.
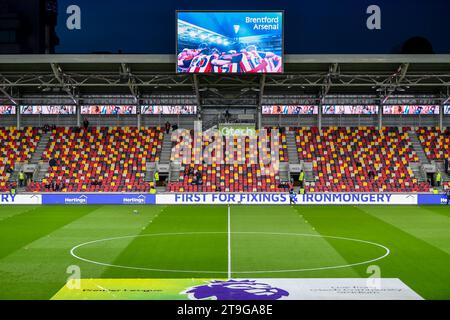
(435, 142)
(248, 177)
(100, 159)
(227, 178)
(113, 159)
(15, 146)
(284, 155)
(342, 159)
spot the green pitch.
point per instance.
(39, 243)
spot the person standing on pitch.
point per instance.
(292, 197)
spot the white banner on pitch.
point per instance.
(341, 289)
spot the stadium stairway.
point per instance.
(41, 166)
(423, 159)
(417, 147)
(292, 147)
(166, 149)
(40, 148)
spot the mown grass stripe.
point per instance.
(212, 254)
(441, 210)
(39, 269)
(421, 222)
(420, 265)
(263, 251)
(19, 230)
(7, 212)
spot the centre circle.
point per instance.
(254, 239)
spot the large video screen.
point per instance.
(229, 42)
(290, 109)
(108, 109)
(411, 109)
(5, 110)
(349, 109)
(447, 109)
(43, 109)
(182, 110)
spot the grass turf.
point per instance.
(192, 241)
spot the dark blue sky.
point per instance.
(311, 26)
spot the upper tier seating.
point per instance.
(343, 157)
(435, 143)
(114, 156)
(15, 146)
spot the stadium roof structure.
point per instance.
(140, 76)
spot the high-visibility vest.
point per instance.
(152, 191)
(13, 191)
(156, 176)
(301, 176)
(302, 190)
(435, 191)
(438, 177)
(21, 176)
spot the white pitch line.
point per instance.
(229, 243)
(387, 252)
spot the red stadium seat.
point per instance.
(435, 142)
(16, 146)
(343, 157)
(244, 177)
(114, 156)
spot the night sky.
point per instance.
(311, 26)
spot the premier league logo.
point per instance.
(235, 290)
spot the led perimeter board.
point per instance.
(229, 41)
